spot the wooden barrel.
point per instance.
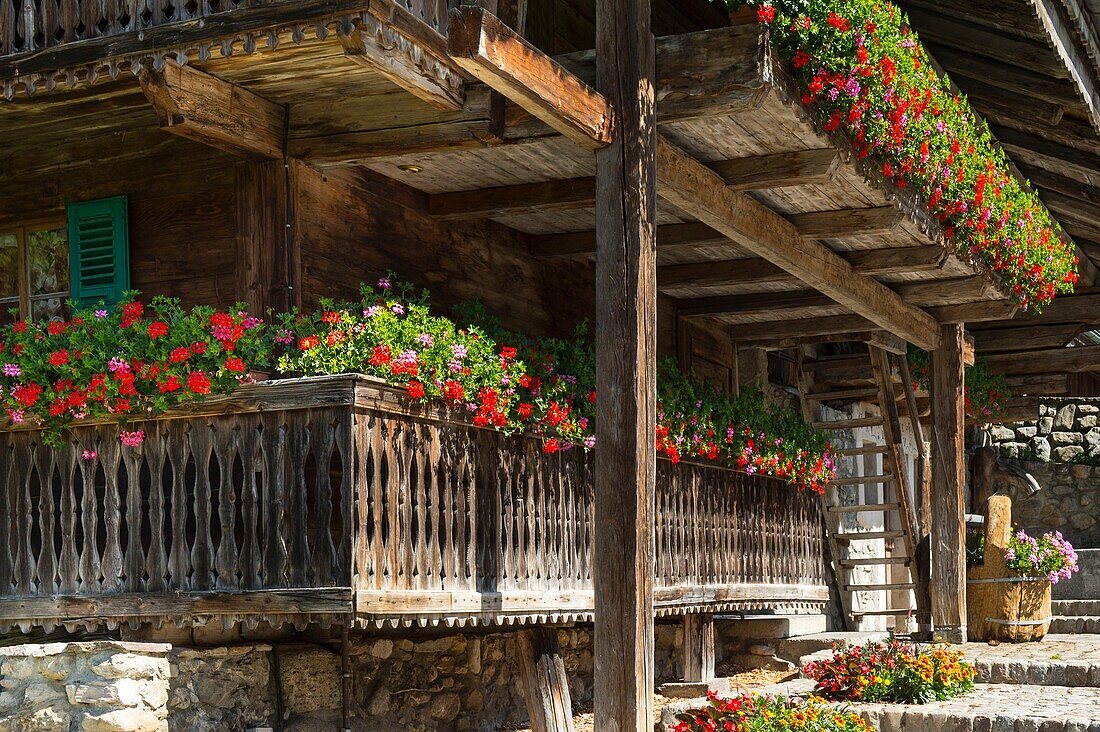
(998, 606)
(1009, 609)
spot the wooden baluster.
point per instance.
(250, 558)
(69, 564)
(422, 498)
(226, 431)
(202, 550)
(365, 567)
(89, 517)
(298, 442)
(68, 20)
(402, 467)
(179, 558)
(390, 489)
(273, 505)
(47, 22)
(156, 559)
(110, 453)
(323, 439)
(380, 505)
(529, 511)
(28, 27)
(7, 30)
(45, 460)
(133, 556)
(8, 515)
(342, 571)
(468, 513)
(444, 466)
(24, 555)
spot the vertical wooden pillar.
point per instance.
(545, 685)
(698, 647)
(626, 325)
(261, 231)
(948, 535)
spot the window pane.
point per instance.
(48, 251)
(9, 267)
(50, 308)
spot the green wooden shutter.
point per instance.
(99, 250)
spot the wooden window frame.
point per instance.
(19, 228)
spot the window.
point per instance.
(34, 270)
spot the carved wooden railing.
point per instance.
(33, 25)
(312, 499)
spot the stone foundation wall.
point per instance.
(1068, 430)
(1068, 502)
(457, 681)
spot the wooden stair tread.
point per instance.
(881, 586)
(849, 424)
(825, 396)
(874, 561)
(864, 480)
(865, 508)
(869, 535)
(865, 450)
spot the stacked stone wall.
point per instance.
(1067, 430)
(411, 681)
(1069, 501)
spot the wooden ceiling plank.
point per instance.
(847, 222)
(202, 107)
(1081, 68)
(699, 191)
(779, 170)
(583, 243)
(872, 262)
(493, 53)
(1054, 360)
(484, 202)
(1028, 338)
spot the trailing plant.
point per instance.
(985, 393)
(1050, 556)
(130, 360)
(544, 386)
(892, 671)
(755, 713)
(864, 73)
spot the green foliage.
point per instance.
(986, 393)
(864, 74)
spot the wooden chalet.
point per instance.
(278, 152)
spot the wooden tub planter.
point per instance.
(336, 500)
(1000, 606)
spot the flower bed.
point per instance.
(892, 672)
(755, 713)
(139, 360)
(1049, 556)
(864, 74)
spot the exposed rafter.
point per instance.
(202, 107)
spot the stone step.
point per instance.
(1050, 670)
(770, 627)
(1074, 624)
(1077, 607)
(795, 649)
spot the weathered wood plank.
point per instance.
(699, 191)
(486, 48)
(269, 602)
(626, 327)
(202, 107)
(544, 681)
(698, 649)
(948, 538)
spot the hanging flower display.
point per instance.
(863, 73)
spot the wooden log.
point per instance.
(626, 326)
(779, 170)
(545, 684)
(699, 191)
(948, 543)
(202, 107)
(487, 49)
(698, 649)
(1080, 358)
(1070, 31)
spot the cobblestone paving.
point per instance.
(1057, 660)
(994, 708)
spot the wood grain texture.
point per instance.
(948, 536)
(204, 108)
(486, 48)
(698, 649)
(544, 681)
(626, 329)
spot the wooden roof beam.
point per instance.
(780, 170)
(699, 191)
(1063, 37)
(582, 243)
(492, 52)
(1054, 360)
(202, 107)
(1032, 337)
(426, 76)
(872, 262)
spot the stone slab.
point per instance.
(793, 649)
(1085, 585)
(772, 627)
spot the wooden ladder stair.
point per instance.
(899, 522)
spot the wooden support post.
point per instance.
(626, 328)
(698, 647)
(545, 685)
(948, 536)
(261, 248)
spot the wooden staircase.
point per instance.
(882, 481)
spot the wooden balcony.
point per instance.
(320, 500)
